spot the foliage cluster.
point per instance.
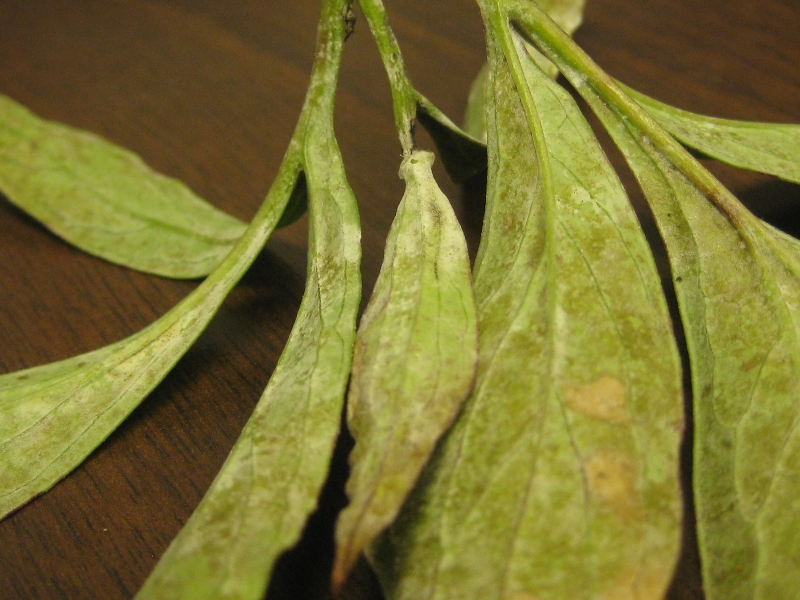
(517, 423)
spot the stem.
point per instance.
(318, 104)
(584, 72)
(404, 96)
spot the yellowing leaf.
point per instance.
(414, 363)
(738, 286)
(106, 200)
(559, 479)
(771, 148)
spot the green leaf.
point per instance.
(106, 200)
(764, 147)
(54, 415)
(463, 155)
(737, 284)
(559, 479)
(569, 15)
(415, 359)
(260, 500)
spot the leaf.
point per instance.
(269, 484)
(463, 155)
(764, 147)
(54, 415)
(559, 479)
(106, 201)
(414, 363)
(737, 284)
(569, 15)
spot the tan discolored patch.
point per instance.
(647, 584)
(604, 398)
(611, 477)
(522, 595)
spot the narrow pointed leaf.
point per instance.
(414, 363)
(737, 284)
(53, 416)
(559, 479)
(106, 200)
(771, 148)
(259, 502)
(569, 15)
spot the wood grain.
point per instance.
(208, 92)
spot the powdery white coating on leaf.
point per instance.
(771, 148)
(569, 16)
(414, 361)
(106, 200)
(738, 285)
(53, 416)
(260, 501)
(525, 496)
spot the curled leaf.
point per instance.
(414, 363)
(559, 478)
(771, 148)
(738, 286)
(106, 200)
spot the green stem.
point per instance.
(318, 102)
(404, 96)
(583, 71)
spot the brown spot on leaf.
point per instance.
(611, 477)
(604, 398)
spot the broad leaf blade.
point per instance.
(54, 415)
(559, 478)
(414, 362)
(764, 147)
(259, 502)
(106, 201)
(738, 287)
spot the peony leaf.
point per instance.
(259, 502)
(106, 200)
(738, 288)
(559, 479)
(771, 148)
(414, 363)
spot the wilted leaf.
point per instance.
(764, 147)
(414, 363)
(106, 200)
(737, 284)
(559, 478)
(259, 502)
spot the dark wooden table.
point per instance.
(208, 92)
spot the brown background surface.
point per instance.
(208, 91)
